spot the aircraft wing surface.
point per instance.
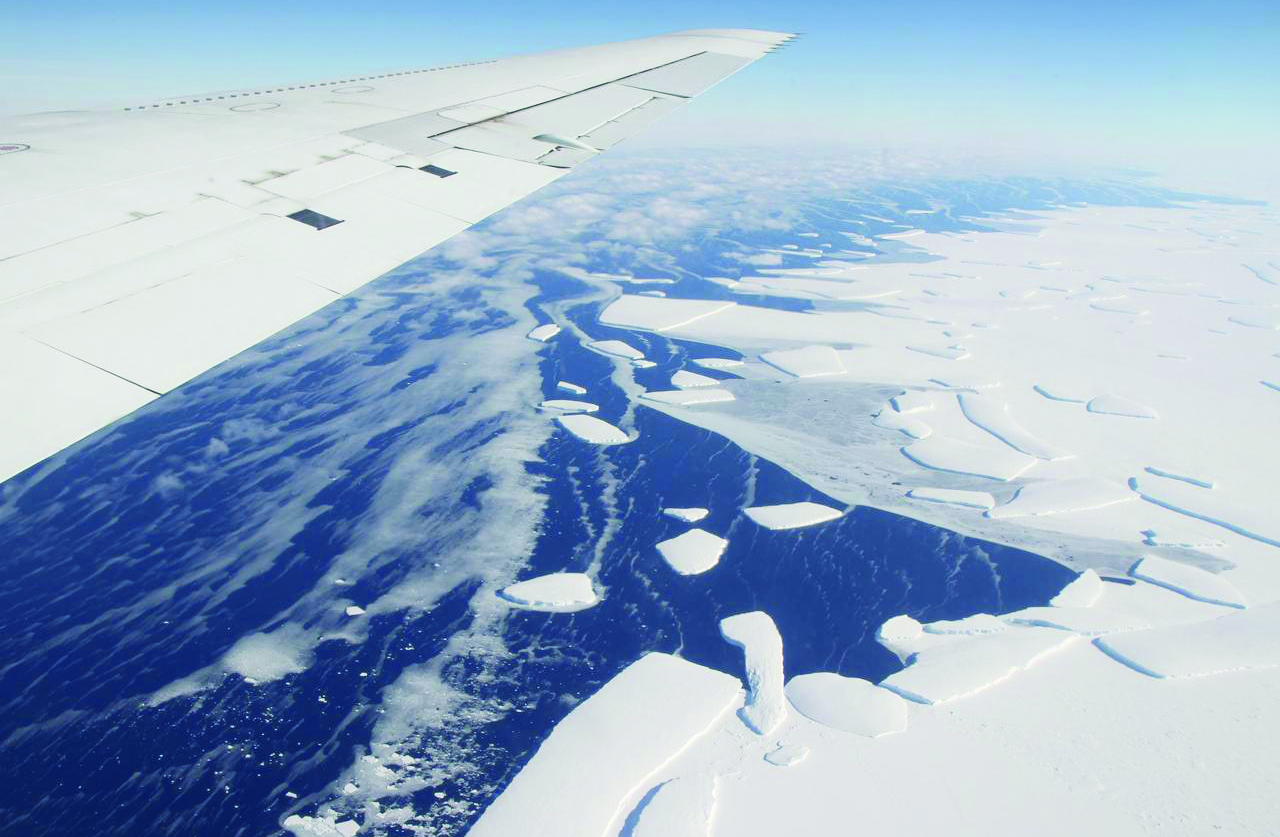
(143, 245)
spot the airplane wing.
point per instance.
(142, 245)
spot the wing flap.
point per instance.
(182, 327)
(690, 76)
(50, 400)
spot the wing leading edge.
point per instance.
(143, 245)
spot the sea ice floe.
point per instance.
(679, 807)
(689, 397)
(785, 755)
(761, 646)
(1192, 582)
(690, 515)
(946, 454)
(717, 362)
(1234, 642)
(891, 419)
(593, 430)
(553, 593)
(848, 704)
(320, 826)
(566, 405)
(694, 552)
(1116, 405)
(806, 362)
(1062, 496)
(969, 665)
(1055, 392)
(791, 515)
(617, 348)
(658, 313)
(572, 389)
(954, 497)
(911, 402)
(685, 379)
(1083, 591)
(607, 747)
(993, 416)
(544, 332)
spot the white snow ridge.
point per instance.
(761, 646)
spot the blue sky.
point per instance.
(1133, 83)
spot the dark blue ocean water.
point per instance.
(146, 553)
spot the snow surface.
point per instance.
(978, 623)
(659, 313)
(1061, 496)
(993, 416)
(808, 362)
(911, 402)
(848, 704)
(689, 515)
(694, 552)
(791, 515)
(593, 430)
(959, 457)
(761, 646)
(1235, 642)
(553, 593)
(954, 496)
(891, 419)
(1116, 405)
(607, 747)
(689, 397)
(969, 665)
(787, 754)
(1191, 582)
(680, 807)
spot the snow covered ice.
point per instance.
(693, 552)
(556, 593)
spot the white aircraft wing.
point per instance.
(142, 245)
